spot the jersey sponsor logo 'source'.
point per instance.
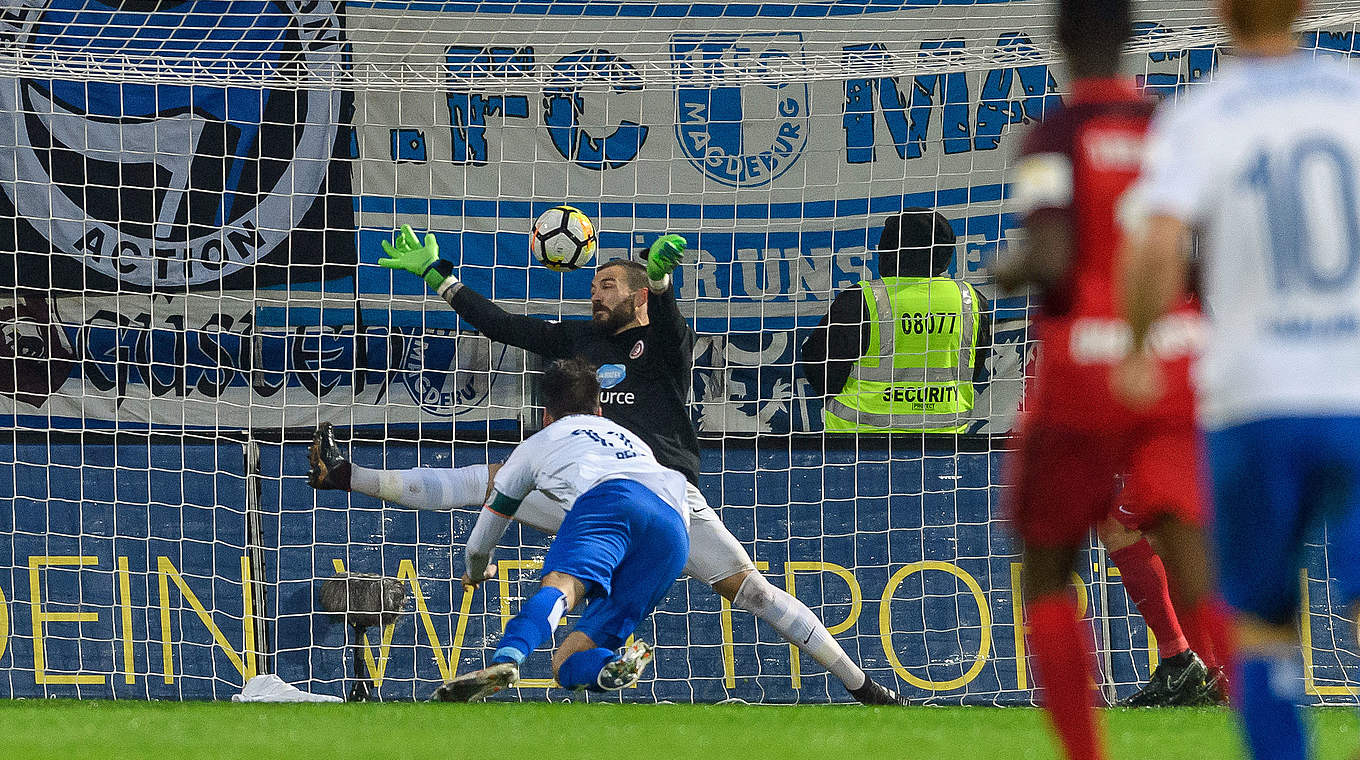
(191, 232)
(740, 134)
(618, 397)
(611, 375)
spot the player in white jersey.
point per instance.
(1264, 163)
(644, 350)
(622, 543)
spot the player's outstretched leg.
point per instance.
(329, 470)
(801, 627)
(717, 558)
(420, 488)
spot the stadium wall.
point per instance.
(137, 373)
(147, 595)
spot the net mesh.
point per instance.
(191, 201)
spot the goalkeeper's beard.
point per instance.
(610, 321)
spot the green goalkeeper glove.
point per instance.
(664, 255)
(423, 260)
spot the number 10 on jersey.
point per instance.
(1311, 190)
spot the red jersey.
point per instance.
(1078, 163)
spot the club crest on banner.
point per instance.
(158, 185)
(443, 371)
(739, 116)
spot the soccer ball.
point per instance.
(563, 239)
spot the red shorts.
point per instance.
(1062, 481)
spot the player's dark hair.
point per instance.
(634, 273)
(918, 242)
(1252, 18)
(1092, 32)
(570, 386)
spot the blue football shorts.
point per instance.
(1275, 483)
(627, 546)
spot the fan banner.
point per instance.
(108, 187)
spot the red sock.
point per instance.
(1206, 626)
(1144, 578)
(1062, 667)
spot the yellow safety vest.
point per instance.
(917, 373)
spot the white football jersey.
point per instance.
(579, 451)
(1265, 162)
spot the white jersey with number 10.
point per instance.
(1265, 163)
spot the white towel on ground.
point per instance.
(271, 688)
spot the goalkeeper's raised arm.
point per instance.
(422, 258)
(662, 310)
(636, 336)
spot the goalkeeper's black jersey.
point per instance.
(644, 372)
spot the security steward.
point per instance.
(900, 354)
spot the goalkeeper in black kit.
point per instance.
(644, 350)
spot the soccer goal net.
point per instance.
(192, 199)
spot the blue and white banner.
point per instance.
(110, 186)
(775, 137)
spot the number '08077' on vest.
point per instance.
(922, 323)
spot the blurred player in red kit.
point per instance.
(1075, 439)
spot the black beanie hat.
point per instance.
(918, 242)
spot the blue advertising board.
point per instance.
(125, 575)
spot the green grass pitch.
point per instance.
(534, 731)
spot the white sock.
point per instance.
(796, 623)
(423, 487)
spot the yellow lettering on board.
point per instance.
(406, 571)
(4, 623)
(35, 565)
(1018, 619)
(124, 603)
(375, 669)
(503, 569)
(167, 572)
(251, 654)
(885, 624)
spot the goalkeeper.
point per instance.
(620, 548)
(644, 349)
